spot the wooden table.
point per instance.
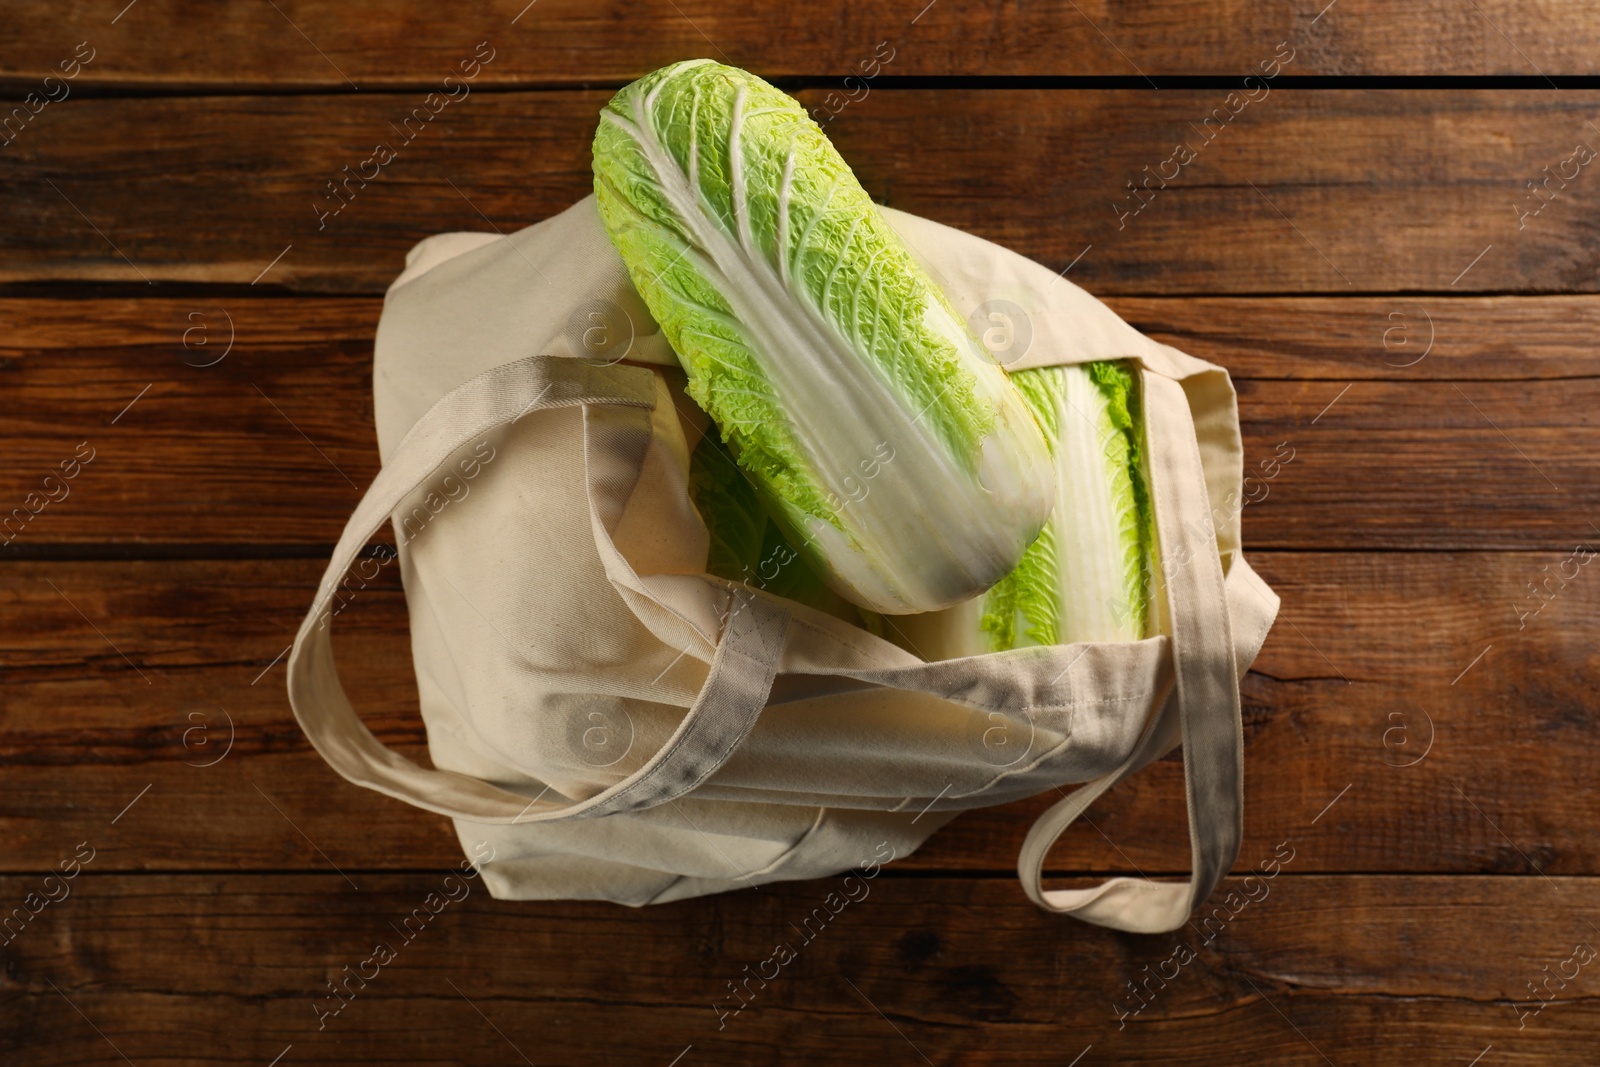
(188, 331)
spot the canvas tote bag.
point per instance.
(607, 721)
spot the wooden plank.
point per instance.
(1512, 338)
(1354, 339)
(1306, 970)
(272, 442)
(1332, 715)
(1326, 192)
(319, 44)
(1391, 464)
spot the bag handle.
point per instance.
(726, 709)
(1205, 703)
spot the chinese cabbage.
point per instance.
(881, 435)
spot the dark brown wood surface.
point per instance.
(1364, 260)
(1302, 191)
(1307, 970)
(233, 45)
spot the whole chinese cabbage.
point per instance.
(880, 433)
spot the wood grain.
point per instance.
(1394, 338)
(317, 44)
(1313, 970)
(274, 442)
(1419, 727)
(140, 690)
(1326, 192)
(1340, 339)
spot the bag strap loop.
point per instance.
(726, 709)
(1205, 701)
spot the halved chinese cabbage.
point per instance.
(1088, 577)
(879, 431)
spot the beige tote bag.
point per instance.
(607, 721)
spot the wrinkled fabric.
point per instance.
(562, 625)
